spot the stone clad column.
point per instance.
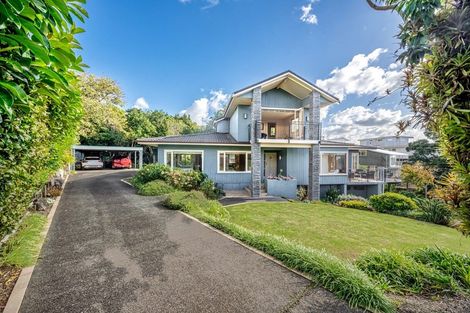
(255, 146)
(314, 150)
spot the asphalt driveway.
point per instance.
(110, 250)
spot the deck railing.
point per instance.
(286, 130)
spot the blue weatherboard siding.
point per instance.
(278, 98)
(243, 123)
(234, 125)
(227, 180)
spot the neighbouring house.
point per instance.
(272, 128)
(392, 143)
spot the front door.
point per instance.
(270, 164)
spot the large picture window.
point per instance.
(185, 160)
(333, 163)
(234, 162)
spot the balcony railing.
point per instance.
(286, 130)
(367, 175)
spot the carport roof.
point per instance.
(106, 148)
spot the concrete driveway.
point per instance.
(110, 250)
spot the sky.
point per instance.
(188, 56)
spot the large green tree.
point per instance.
(104, 121)
(435, 48)
(428, 154)
(39, 100)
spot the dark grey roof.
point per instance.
(216, 138)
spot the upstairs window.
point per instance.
(333, 163)
(234, 162)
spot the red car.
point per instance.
(122, 162)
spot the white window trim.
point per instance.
(232, 172)
(172, 151)
(332, 174)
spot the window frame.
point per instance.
(172, 151)
(333, 174)
(224, 152)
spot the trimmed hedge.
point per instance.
(155, 188)
(354, 204)
(335, 275)
(397, 272)
(392, 203)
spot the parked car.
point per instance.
(92, 162)
(122, 162)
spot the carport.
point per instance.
(136, 153)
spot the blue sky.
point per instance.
(189, 55)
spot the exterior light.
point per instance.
(245, 115)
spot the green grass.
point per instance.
(22, 249)
(344, 232)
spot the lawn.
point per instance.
(344, 232)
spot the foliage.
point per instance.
(332, 195)
(155, 188)
(39, 100)
(452, 190)
(140, 125)
(392, 203)
(195, 202)
(104, 121)
(183, 180)
(416, 174)
(435, 40)
(409, 194)
(302, 193)
(350, 197)
(22, 249)
(434, 211)
(354, 204)
(427, 153)
(396, 272)
(209, 189)
(450, 263)
(150, 172)
(335, 275)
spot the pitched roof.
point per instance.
(198, 138)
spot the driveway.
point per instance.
(110, 250)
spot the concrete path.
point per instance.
(110, 250)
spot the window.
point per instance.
(185, 160)
(333, 163)
(234, 162)
(355, 161)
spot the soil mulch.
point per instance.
(437, 304)
(8, 277)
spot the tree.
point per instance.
(104, 121)
(452, 190)
(418, 175)
(139, 125)
(427, 153)
(435, 41)
(39, 100)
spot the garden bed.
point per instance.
(8, 277)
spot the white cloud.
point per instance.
(201, 108)
(359, 122)
(141, 103)
(359, 77)
(307, 14)
(210, 4)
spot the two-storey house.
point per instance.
(273, 128)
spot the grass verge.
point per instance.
(22, 249)
(338, 276)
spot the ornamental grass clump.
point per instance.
(397, 272)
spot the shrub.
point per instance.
(449, 263)
(399, 273)
(194, 202)
(302, 193)
(332, 195)
(184, 180)
(393, 203)
(155, 188)
(354, 204)
(350, 197)
(434, 211)
(409, 194)
(151, 172)
(209, 189)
